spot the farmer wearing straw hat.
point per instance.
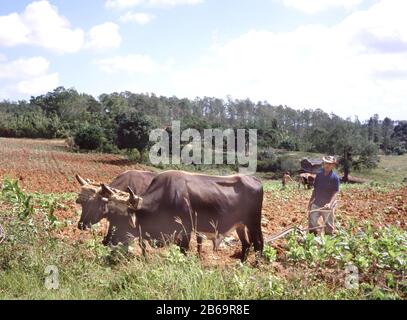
(323, 199)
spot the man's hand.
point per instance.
(327, 206)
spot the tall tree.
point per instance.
(374, 129)
(133, 131)
(387, 130)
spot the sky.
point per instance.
(348, 57)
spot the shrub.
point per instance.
(133, 131)
(268, 165)
(134, 155)
(368, 157)
(288, 144)
(399, 150)
(287, 164)
(109, 147)
(90, 137)
(277, 164)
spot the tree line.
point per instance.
(123, 121)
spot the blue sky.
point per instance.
(343, 56)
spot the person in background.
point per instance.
(285, 179)
(326, 188)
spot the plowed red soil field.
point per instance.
(48, 167)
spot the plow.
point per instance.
(299, 228)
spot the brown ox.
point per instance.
(177, 203)
(307, 180)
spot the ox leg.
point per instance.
(217, 241)
(256, 237)
(184, 242)
(107, 239)
(143, 247)
(199, 240)
(241, 232)
(258, 243)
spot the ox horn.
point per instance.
(81, 180)
(133, 197)
(135, 201)
(107, 190)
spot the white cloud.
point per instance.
(12, 30)
(21, 68)
(315, 6)
(51, 30)
(131, 64)
(125, 4)
(138, 17)
(39, 84)
(40, 24)
(26, 76)
(172, 3)
(122, 4)
(104, 36)
(361, 63)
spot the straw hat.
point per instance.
(329, 159)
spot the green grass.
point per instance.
(390, 169)
(85, 274)
(161, 277)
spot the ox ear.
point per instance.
(82, 181)
(106, 192)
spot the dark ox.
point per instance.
(93, 200)
(177, 203)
